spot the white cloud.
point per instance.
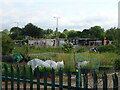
(75, 14)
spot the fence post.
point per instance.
(60, 79)
(85, 81)
(95, 81)
(53, 79)
(69, 80)
(78, 79)
(18, 77)
(115, 82)
(38, 78)
(45, 79)
(6, 77)
(104, 78)
(12, 78)
(31, 79)
(24, 78)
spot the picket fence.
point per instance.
(79, 83)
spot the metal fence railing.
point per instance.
(81, 80)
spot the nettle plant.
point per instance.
(68, 47)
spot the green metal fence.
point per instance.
(81, 80)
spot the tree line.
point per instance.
(32, 31)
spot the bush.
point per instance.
(117, 64)
(7, 45)
(107, 48)
(67, 47)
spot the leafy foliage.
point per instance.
(6, 32)
(7, 45)
(15, 32)
(107, 48)
(33, 31)
(67, 47)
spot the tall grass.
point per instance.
(103, 58)
(56, 54)
(31, 49)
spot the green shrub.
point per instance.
(7, 45)
(67, 47)
(107, 48)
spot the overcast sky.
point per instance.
(74, 14)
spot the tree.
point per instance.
(6, 32)
(66, 32)
(63, 35)
(85, 33)
(7, 44)
(97, 32)
(48, 31)
(114, 35)
(33, 31)
(79, 34)
(110, 33)
(117, 36)
(72, 34)
(15, 32)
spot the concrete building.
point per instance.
(60, 42)
(42, 42)
(85, 42)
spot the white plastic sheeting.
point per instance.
(82, 63)
(34, 63)
(52, 63)
(60, 64)
(37, 62)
